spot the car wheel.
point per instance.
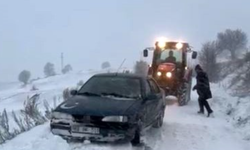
(137, 138)
(159, 121)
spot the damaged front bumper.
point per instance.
(101, 131)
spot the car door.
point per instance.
(153, 105)
(145, 113)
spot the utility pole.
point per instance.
(62, 65)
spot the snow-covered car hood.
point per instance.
(99, 106)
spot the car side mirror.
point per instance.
(145, 53)
(151, 97)
(73, 92)
(194, 55)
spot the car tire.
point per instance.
(137, 138)
(159, 121)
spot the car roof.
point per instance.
(124, 75)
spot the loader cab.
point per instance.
(180, 50)
(165, 50)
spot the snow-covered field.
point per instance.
(183, 128)
(12, 96)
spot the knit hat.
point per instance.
(198, 67)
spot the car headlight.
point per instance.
(115, 119)
(169, 74)
(59, 115)
(159, 73)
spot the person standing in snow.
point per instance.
(203, 90)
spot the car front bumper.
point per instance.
(107, 132)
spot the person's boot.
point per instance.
(200, 112)
(209, 114)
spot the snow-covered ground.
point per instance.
(183, 128)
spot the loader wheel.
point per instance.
(183, 95)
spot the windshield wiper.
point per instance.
(115, 95)
(89, 94)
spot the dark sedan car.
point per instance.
(110, 107)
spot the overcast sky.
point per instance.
(88, 32)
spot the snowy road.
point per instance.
(183, 129)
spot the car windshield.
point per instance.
(170, 55)
(117, 87)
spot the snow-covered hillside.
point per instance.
(183, 128)
(13, 95)
(235, 110)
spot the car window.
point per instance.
(113, 86)
(154, 87)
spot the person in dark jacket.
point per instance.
(203, 90)
(171, 57)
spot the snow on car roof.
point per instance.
(126, 75)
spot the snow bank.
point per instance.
(235, 110)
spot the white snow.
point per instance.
(233, 109)
(183, 128)
(13, 98)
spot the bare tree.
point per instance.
(105, 65)
(24, 76)
(49, 69)
(67, 69)
(241, 80)
(208, 60)
(233, 41)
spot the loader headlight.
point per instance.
(159, 73)
(162, 42)
(115, 119)
(59, 115)
(169, 74)
(179, 45)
